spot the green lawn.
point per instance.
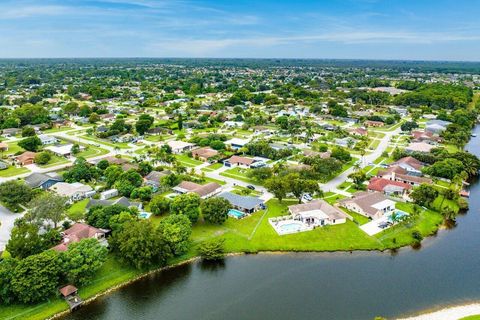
(121, 145)
(77, 210)
(213, 167)
(13, 171)
(251, 234)
(220, 182)
(441, 203)
(477, 317)
(187, 161)
(239, 174)
(91, 151)
(54, 161)
(13, 148)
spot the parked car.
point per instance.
(251, 187)
(307, 197)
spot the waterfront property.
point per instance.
(373, 205)
(308, 216)
(243, 204)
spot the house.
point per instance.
(360, 132)
(372, 123)
(204, 154)
(3, 165)
(310, 153)
(236, 143)
(107, 194)
(47, 139)
(239, 162)
(345, 142)
(425, 136)
(3, 146)
(42, 180)
(436, 126)
(72, 191)
(245, 204)
(317, 213)
(410, 164)
(389, 187)
(419, 147)
(122, 201)
(26, 158)
(153, 178)
(111, 160)
(64, 150)
(412, 180)
(78, 232)
(10, 132)
(372, 205)
(233, 124)
(204, 191)
(180, 146)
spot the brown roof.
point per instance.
(321, 205)
(411, 161)
(76, 233)
(413, 179)
(310, 153)
(27, 155)
(365, 200)
(379, 184)
(3, 145)
(205, 152)
(241, 160)
(201, 190)
(390, 170)
(68, 290)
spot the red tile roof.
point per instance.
(379, 184)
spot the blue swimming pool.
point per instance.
(400, 214)
(291, 227)
(236, 214)
(144, 215)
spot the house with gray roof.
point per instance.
(123, 201)
(245, 204)
(42, 180)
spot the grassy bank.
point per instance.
(251, 234)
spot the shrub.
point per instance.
(212, 250)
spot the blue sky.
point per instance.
(366, 29)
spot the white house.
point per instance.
(107, 194)
(236, 143)
(180, 146)
(373, 205)
(47, 139)
(317, 213)
(72, 191)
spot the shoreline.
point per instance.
(448, 313)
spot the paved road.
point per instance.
(7, 218)
(333, 184)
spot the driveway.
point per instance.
(7, 218)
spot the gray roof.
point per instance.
(239, 201)
(36, 179)
(120, 201)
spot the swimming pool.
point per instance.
(400, 214)
(144, 215)
(291, 227)
(236, 214)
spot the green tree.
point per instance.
(138, 244)
(25, 240)
(215, 210)
(187, 204)
(7, 268)
(175, 230)
(42, 157)
(14, 193)
(28, 132)
(278, 186)
(83, 259)
(37, 277)
(212, 249)
(48, 207)
(30, 143)
(160, 205)
(127, 182)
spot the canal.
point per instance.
(361, 285)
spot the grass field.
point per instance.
(121, 145)
(54, 161)
(213, 167)
(91, 151)
(239, 174)
(13, 171)
(251, 234)
(187, 161)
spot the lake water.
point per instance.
(362, 285)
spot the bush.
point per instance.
(212, 250)
(43, 158)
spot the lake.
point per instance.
(360, 285)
